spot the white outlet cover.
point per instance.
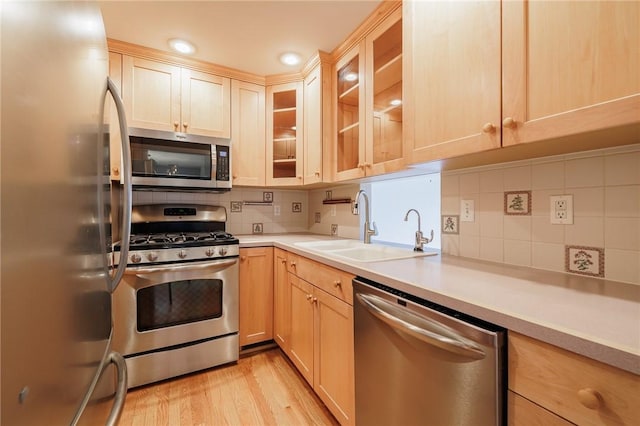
(467, 210)
(333, 210)
(561, 209)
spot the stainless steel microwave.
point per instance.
(179, 161)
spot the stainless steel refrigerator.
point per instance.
(55, 277)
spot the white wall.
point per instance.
(390, 201)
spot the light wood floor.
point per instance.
(261, 389)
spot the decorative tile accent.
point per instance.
(257, 228)
(267, 197)
(296, 207)
(585, 260)
(517, 203)
(317, 217)
(236, 207)
(450, 224)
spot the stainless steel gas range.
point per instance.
(176, 309)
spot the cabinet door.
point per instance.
(206, 104)
(348, 149)
(284, 134)
(248, 134)
(333, 365)
(301, 340)
(383, 153)
(281, 300)
(452, 78)
(521, 411)
(256, 295)
(313, 134)
(151, 94)
(569, 67)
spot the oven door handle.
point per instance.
(213, 266)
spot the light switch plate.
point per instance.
(467, 210)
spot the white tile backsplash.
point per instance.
(605, 185)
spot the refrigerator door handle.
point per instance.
(121, 388)
(126, 181)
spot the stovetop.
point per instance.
(169, 233)
(180, 239)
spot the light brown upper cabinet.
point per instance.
(317, 122)
(369, 104)
(285, 134)
(248, 134)
(167, 97)
(480, 75)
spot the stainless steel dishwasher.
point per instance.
(418, 363)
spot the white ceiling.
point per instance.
(245, 35)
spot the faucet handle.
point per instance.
(428, 240)
(375, 228)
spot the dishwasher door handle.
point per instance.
(420, 327)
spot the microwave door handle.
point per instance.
(126, 182)
(419, 327)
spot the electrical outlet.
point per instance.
(467, 211)
(334, 229)
(276, 210)
(561, 209)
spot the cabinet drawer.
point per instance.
(567, 383)
(333, 281)
(523, 412)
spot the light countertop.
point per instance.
(593, 317)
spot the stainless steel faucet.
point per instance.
(368, 231)
(420, 240)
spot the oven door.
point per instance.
(161, 306)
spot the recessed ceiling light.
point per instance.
(290, 58)
(182, 46)
(352, 76)
(396, 102)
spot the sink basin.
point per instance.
(360, 252)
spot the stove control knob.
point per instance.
(222, 251)
(210, 252)
(135, 258)
(182, 254)
(152, 256)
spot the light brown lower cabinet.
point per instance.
(522, 412)
(320, 332)
(256, 295)
(581, 390)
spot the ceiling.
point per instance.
(245, 35)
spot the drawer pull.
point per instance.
(293, 264)
(590, 398)
(337, 284)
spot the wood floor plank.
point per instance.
(262, 389)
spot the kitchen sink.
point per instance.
(360, 252)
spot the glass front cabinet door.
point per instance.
(284, 134)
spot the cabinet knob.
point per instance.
(284, 261)
(176, 125)
(360, 166)
(116, 171)
(368, 165)
(489, 128)
(309, 297)
(590, 398)
(235, 176)
(509, 123)
(299, 177)
(317, 173)
(314, 300)
(185, 125)
(243, 258)
(337, 283)
(293, 264)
